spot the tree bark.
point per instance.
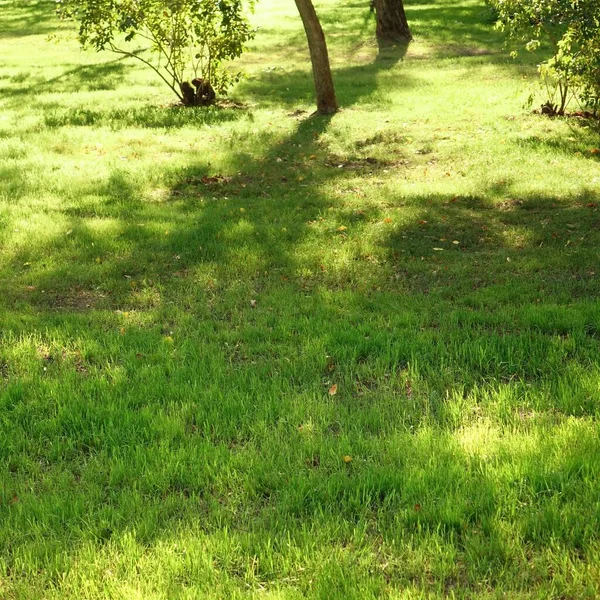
(391, 21)
(326, 100)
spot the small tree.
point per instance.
(571, 29)
(189, 39)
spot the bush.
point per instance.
(190, 39)
(571, 28)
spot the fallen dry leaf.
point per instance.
(333, 390)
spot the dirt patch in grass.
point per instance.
(74, 299)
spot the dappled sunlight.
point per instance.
(254, 352)
(26, 18)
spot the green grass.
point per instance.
(168, 342)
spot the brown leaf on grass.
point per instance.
(333, 390)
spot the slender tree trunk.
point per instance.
(391, 21)
(326, 100)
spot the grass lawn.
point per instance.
(250, 353)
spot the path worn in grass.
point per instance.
(180, 290)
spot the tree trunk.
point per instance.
(326, 100)
(391, 21)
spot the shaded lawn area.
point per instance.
(183, 291)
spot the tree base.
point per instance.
(391, 21)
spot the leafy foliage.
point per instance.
(571, 28)
(186, 37)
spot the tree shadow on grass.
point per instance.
(199, 317)
(261, 212)
(353, 84)
(579, 141)
(204, 204)
(446, 23)
(22, 18)
(148, 117)
(135, 464)
(81, 78)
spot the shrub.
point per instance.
(189, 39)
(571, 29)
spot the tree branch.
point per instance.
(116, 50)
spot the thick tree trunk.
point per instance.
(326, 100)
(391, 21)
